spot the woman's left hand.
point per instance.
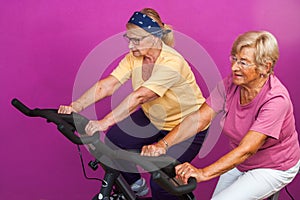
(94, 126)
(186, 170)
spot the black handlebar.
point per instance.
(21, 107)
(68, 124)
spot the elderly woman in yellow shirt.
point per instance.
(164, 93)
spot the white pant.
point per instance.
(253, 184)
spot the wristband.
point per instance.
(165, 142)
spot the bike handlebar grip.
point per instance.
(172, 186)
(69, 134)
(66, 124)
(21, 107)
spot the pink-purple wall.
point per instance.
(43, 44)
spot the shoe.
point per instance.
(140, 187)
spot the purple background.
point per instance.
(42, 46)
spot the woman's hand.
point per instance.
(74, 107)
(65, 109)
(94, 126)
(186, 170)
(154, 149)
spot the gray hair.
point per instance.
(265, 44)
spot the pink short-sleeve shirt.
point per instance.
(269, 113)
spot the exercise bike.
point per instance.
(114, 186)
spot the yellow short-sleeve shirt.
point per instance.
(172, 80)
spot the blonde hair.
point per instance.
(265, 44)
(168, 37)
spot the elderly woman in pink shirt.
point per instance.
(258, 120)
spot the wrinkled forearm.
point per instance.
(129, 105)
(191, 125)
(224, 164)
(247, 147)
(98, 91)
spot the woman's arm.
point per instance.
(247, 147)
(101, 89)
(123, 110)
(189, 127)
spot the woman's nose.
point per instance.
(130, 45)
(235, 66)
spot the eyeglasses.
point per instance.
(135, 41)
(242, 63)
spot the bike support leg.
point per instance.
(107, 185)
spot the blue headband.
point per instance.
(145, 22)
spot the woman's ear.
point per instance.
(266, 68)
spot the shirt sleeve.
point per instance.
(217, 97)
(166, 76)
(123, 71)
(271, 116)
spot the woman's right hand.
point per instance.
(65, 109)
(186, 170)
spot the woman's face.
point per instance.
(139, 41)
(244, 69)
